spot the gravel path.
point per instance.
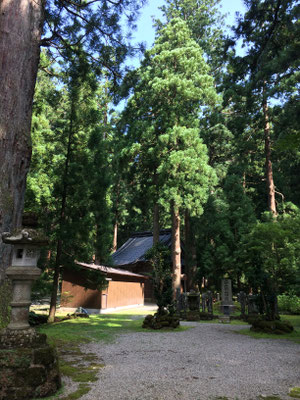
(209, 361)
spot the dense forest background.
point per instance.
(207, 142)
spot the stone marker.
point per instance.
(226, 304)
(193, 301)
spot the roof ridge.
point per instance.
(150, 233)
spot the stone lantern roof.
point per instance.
(25, 236)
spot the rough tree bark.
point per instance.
(269, 170)
(116, 224)
(156, 227)
(176, 250)
(190, 254)
(20, 33)
(156, 224)
(115, 238)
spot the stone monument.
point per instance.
(28, 365)
(227, 303)
(193, 301)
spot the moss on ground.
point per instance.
(82, 389)
(89, 357)
(295, 393)
(81, 367)
(79, 374)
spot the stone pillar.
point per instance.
(227, 303)
(22, 279)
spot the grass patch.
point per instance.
(294, 336)
(136, 311)
(295, 393)
(103, 327)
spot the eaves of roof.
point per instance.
(110, 270)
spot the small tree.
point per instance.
(272, 252)
(160, 259)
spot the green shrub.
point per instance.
(289, 303)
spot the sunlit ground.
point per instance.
(105, 326)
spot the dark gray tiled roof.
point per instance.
(135, 248)
(109, 270)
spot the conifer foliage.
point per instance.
(174, 87)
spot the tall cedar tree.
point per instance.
(205, 21)
(269, 31)
(173, 88)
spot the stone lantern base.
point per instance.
(28, 365)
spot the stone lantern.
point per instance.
(23, 272)
(28, 364)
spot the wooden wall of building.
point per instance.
(75, 294)
(120, 294)
(122, 291)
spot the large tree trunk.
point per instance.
(156, 227)
(20, 34)
(156, 224)
(115, 238)
(269, 170)
(116, 224)
(176, 251)
(53, 301)
(190, 254)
